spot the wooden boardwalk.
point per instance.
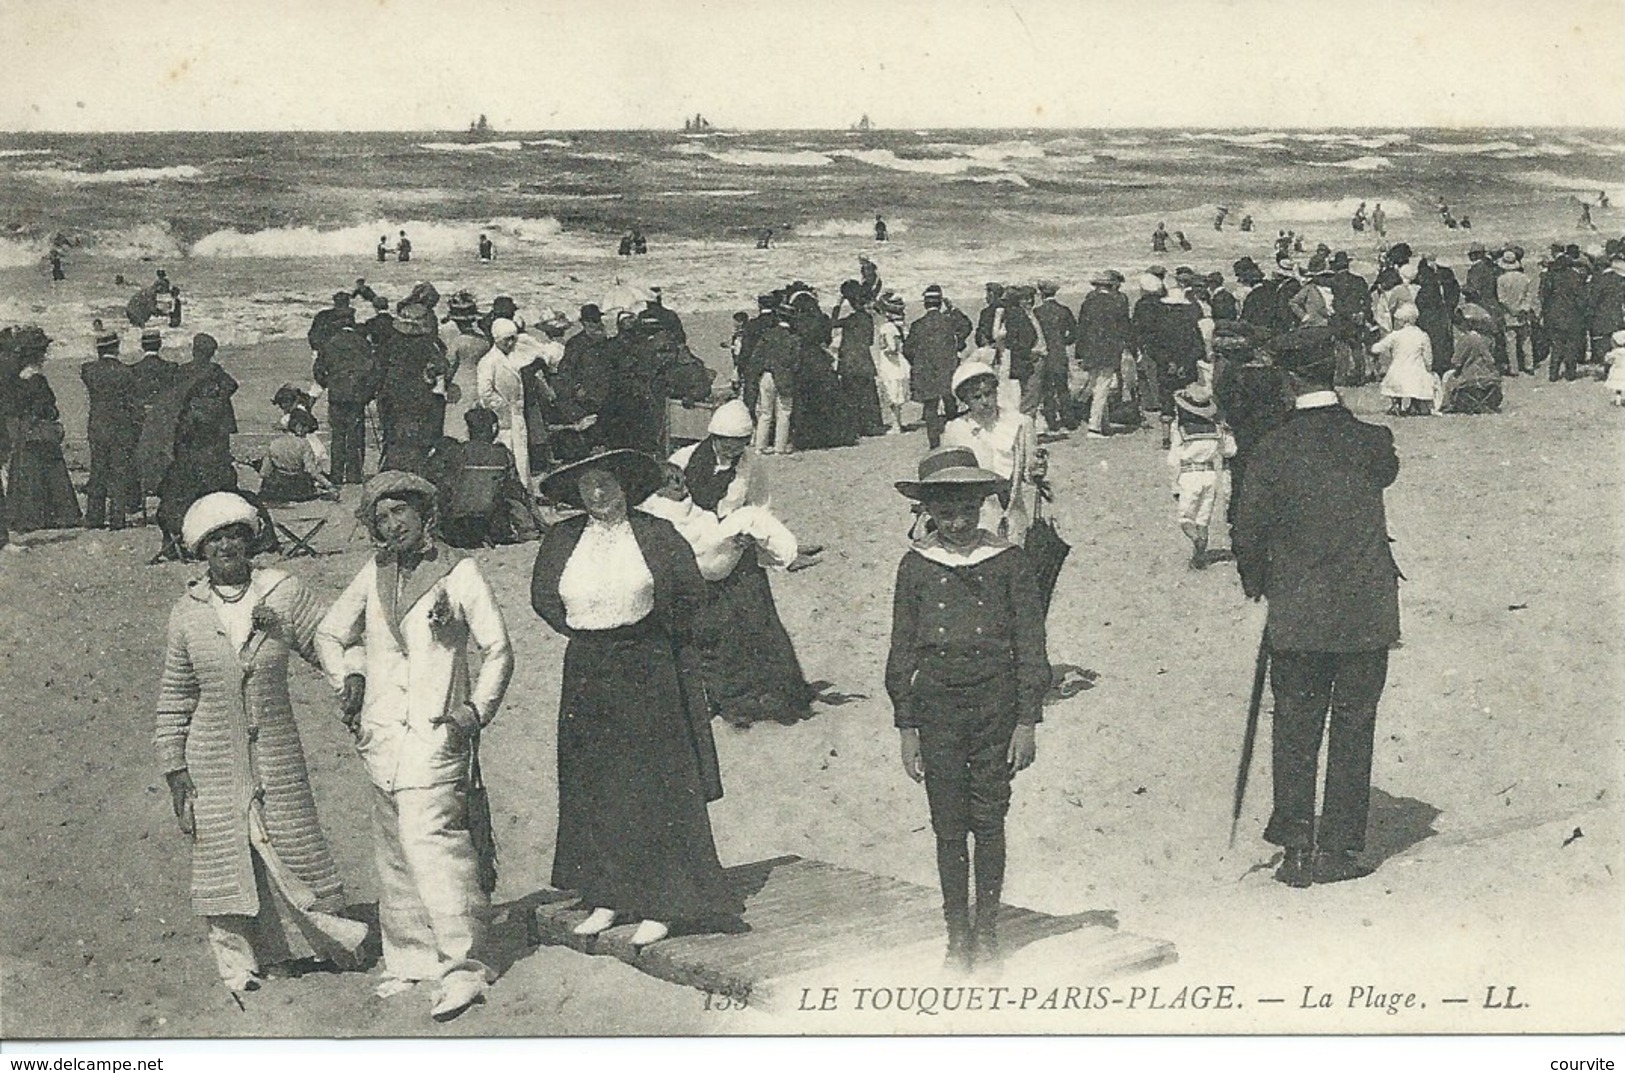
(805, 916)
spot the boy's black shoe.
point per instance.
(1339, 867)
(1295, 870)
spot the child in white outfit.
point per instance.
(1615, 360)
(1198, 447)
(719, 543)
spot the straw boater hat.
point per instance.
(214, 512)
(950, 470)
(1509, 260)
(731, 421)
(971, 370)
(1198, 400)
(1101, 279)
(638, 475)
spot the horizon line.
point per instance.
(496, 134)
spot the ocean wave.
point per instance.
(116, 175)
(706, 193)
(1009, 177)
(767, 158)
(556, 143)
(845, 228)
(1260, 140)
(471, 147)
(15, 253)
(1308, 210)
(885, 158)
(1359, 163)
(1551, 180)
(993, 152)
(24, 152)
(429, 238)
(1531, 152)
(1471, 148)
(135, 243)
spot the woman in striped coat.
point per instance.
(262, 874)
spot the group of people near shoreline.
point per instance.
(655, 568)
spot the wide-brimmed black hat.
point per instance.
(1306, 351)
(638, 474)
(953, 471)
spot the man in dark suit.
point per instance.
(113, 425)
(347, 367)
(1311, 537)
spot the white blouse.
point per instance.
(606, 583)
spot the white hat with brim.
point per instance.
(214, 512)
(971, 370)
(731, 421)
(950, 471)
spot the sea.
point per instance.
(259, 228)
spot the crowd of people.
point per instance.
(654, 566)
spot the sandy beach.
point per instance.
(1498, 768)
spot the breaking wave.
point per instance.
(471, 147)
(885, 158)
(758, 158)
(117, 175)
(19, 254)
(839, 228)
(24, 152)
(437, 239)
(1312, 211)
(1359, 163)
(1470, 148)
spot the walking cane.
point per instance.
(1261, 668)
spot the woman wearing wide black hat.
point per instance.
(637, 764)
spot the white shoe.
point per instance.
(457, 993)
(650, 931)
(390, 986)
(599, 920)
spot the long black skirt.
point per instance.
(634, 834)
(751, 670)
(861, 398)
(42, 495)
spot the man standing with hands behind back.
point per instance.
(1311, 538)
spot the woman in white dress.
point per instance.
(1409, 384)
(1005, 442)
(891, 368)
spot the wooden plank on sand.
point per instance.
(802, 915)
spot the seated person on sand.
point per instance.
(471, 513)
(290, 472)
(1473, 383)
(719, 543)
(290, 399)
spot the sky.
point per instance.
(109, 65)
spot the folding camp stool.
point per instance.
(297, 540)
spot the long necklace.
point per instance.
(242, 592)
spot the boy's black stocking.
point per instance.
(989, 891)
(953, 867)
